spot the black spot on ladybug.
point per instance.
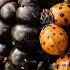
(61, 33)
(60, 8)
(62, 15)
(54, 28)
(68, 2)
(61, 4)
(59, 42)
(48, 37)
(48, 48)
(63, 40)
(57, 66)
(44, 43)
(53, 33)
(62, 57)
(68, 6)
(52, 45)
(66, 20)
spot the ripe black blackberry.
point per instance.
(28, 14)
(19, 35)
(9, 66)
(27, 2)
(7, 13)
(21, 60)
(2, 2)
(26, 38)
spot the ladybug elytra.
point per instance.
(53, 39)
(59, 14)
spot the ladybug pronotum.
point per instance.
(62, 63)
(53, 39)
(61, 13)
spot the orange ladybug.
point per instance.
(58, 14)
(61, 13)
(53, 39)
(62, 63)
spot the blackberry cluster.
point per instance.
(20, 27)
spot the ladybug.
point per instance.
(53, 39)
(59, 14)
(8, 10)
(62, 63)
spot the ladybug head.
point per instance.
(46, 17)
